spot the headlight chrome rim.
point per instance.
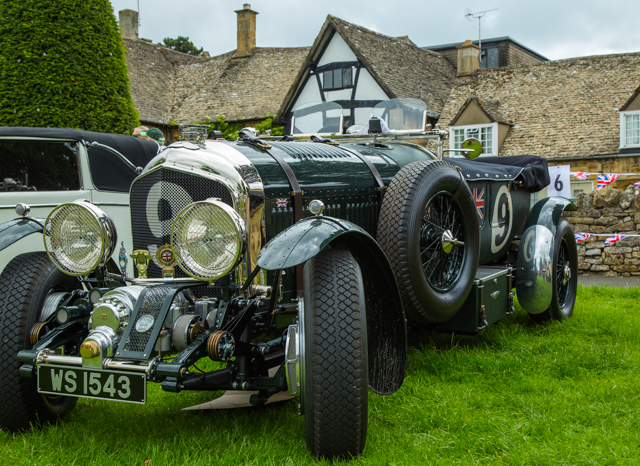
(233, 230)
(88, 215)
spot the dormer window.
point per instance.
(630, 129)
(486, 134)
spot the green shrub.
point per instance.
(62, 64)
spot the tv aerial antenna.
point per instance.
(477, 15)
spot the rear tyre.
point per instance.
(418, 209)
(565, 276)
(24, 285)
(335, 360)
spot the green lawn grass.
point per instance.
(518, 393)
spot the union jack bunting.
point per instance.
(581, 175)
(613, 239)
(606, 179)
(582, 236)
(478, 198)
(636, 185)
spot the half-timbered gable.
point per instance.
(357, 68)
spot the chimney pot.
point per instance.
(246, 6)
(128, 23)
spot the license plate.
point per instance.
(90, 383)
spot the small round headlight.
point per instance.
(79, 237)
(207, 239)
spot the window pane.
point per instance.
(458, 137)
(327, 81)
(346, 77)
(487, 140)
(337, 78)
(39, 165)
(632, 129)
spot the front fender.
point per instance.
(534, 275)
(16, 229)
(386, 324)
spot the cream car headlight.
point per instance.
(79, 237)
(208, 239)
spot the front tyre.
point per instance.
(564, 274)
(335, 367)
(24, 284)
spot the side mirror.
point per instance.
(474, 146)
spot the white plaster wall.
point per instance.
(340, 94)
(310, 93)
(337, 51)
(368, 88)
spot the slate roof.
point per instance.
(167, 85)
(562, 108)
(402, 68)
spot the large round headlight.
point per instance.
(79, 237)
(208, 239)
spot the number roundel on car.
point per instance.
(501, 219)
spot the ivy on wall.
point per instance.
(62, 64)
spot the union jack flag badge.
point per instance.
(478, 198)
(282, 203)
(613, 239)
(582, 236)
(605, 179)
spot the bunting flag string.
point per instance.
(604, 179)
(580, 237)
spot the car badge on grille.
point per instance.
(141, 261)
(282, 203)
(165, 257)
(122, 259)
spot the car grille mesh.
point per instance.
(151, 305)
(156, 200)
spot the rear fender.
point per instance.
(16, 229)
(534, 275)
(386, 324)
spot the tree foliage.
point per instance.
(182, 44)
(62, 64)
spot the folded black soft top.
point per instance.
(532, 170)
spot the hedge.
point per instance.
(62, 64)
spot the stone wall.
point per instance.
(608, 212)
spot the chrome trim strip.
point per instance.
(33, 205)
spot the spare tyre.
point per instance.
(429, 230)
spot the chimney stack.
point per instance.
(468, 58)
(128, 24)
(246, 31)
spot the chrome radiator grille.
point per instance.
(156, 200)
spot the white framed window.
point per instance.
(486, 134)
(630, 129)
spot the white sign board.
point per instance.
(560, 182)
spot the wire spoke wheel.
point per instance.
(441, 269)
(432, 240)
(562, 277)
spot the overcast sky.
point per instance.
(553, 28)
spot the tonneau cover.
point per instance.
(531, 169)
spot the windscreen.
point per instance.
(28, 165)
(402, 114)
(317, 118)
